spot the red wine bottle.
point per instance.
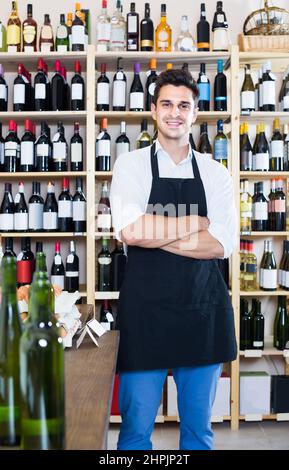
(106, 316)
(12, 149)
(7, 210)
(66, 98)
(77, 89)
(57, 89)
(103, 141)
(42, 150)
(119, 89)
(25, 263)
(20, 90)
(203, 31)
(40, 88)
(136, 95)
(3, 90)
(102, 90)
(57, 269)
(27, 148)
(72, 270)
(132, 29)
(60, 149)
(36, 204)
(50, 210)
(151, 84)
(76, 150)
(20, 210)
(65, 221)
(79, 208)
(118, 266)
(220, 89)
(2, 149)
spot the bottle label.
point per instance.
(220, 39)
(104, 261)
(6, 222)
(258, 344)
(277, 149)
(131, 44)
(65, 209)
(220, 98)
(59, 151)
(79, 211)
(46, 32)
(286, 279)
(246, 160)
(163, 40)
(2, 153)
(117, 37)
(220, 149)
(261, 161)
(25, 271)
(78, 34)
(146, 43)
(136, 100)
(40, 91)
(72, 274)
(251, 268)
(279, 206)
(103, 147)
(13, 35)
(186, 44)
(11, 49)
(35, 216)
(57, 259)
(58, 281)
(204, 91)
(268, 94)
(104, 221)
(29, 34)
(260, 211)
(27, 153)
(132, 24)
(3, 92)
(62, 48)
(151, 89)
(119, 93)
(46, 47)
(61, 32)
(269, 278)
(248, 100)
(122, 147)
(50, 220)
(21, 221)
(103, 32)
(10, 149)
(102, 93)
(77, 91)
(76, 152)
(29, 49)
(42, 150)
(19, 94)
(286, 102)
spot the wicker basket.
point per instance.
(263, 43)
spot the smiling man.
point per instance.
(174, 209)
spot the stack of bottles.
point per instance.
(110, 267)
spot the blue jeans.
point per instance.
(140, 396)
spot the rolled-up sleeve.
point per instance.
(222, 211)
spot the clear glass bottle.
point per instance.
(245, 208)
(185, 41)
(118, 30)
(103, 29)
(250, 273)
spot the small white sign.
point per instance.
(253, 353)
(92, 327)
(253, 417)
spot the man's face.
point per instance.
(174, 112)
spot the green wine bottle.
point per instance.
(3, 38)
(42, 370)
(258, 327)
(62, 36)
(10, 333)
(221, 145)
(144, 139)
(281, 325)
(245, 326)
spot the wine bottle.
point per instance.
(79, 208)
(281, 325)
(204, 89)
(260, 209)
(27, 148)
(103, 210)
(245, 208)
(204, 143)
(7, 210)
(14, 30)
(25, 263)
(29, 32)
(50, 210)
(9, 251)
(119, 89)
(62, 38)
(20, 210)
(42, 359)
(286, 153)
(258, 328)
(191, 140)
(40, 88)
(77, 89)
(3, 38)
(42, 150)
(144, 139)
(77, 31)
(220, 89)
(260, 97)
(10, 332)
(46, 39)
(102, 90)
(185, 41)
(104, 267)
(103, 29)
(247, 92)
(66, 96)
(268, 268)
(72, 270)
(151, 84)
(132, 31)
(243, 252)
(36, 206)
(246, 157)
(250, 273)
(245, 326)
(279, 207)
(268, 86)
(118, 266)
(103, 155)
(3, 90)
(69, 21)
(117, 30)
(276, 148)
(2, 147)
(271, 206)
(76, 150)
(221, 145)
(65, 221)
(146, 31)
(221, 41)
(60, 149)
(282, 265)
(12, 149)
(106, 316)
(203, 31)
(20, 90)
(261, 159)
(122, 143)
(163, 36)
(136, 95)
(285, 97)
(57, 268)
(57, 89)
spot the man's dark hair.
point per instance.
(175, 77)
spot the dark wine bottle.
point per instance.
(72, 270)
(102, 90)
(40, 88)
(258, 328)
(12, 149)
(27, 159)
(151, 84)
(204, 143)
(136, 95)
(204, 88)
(203, 31)
(268, 88)
(132, 29)
(281, 325)
(245, 326)
(79, 208)
(7, 210)
(9, 251)
(20, 90)
(119, 89)
(36, 204)
(60, 149)
(76, 150)
(3, 91)
(122, 143)
(279, 207)
(65, 221)
(260, 209)
(66, 97)
(118, 266)
(147, 31)
(2, 149)
(106, 316)
(62, 36)
(77, 89)
(25, 263)
(20, 210)
(104, 267)
(103, 155)
(220, 89)
(57, 268)
(42, 150)
(57, 89)
(50, 210)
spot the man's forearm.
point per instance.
(199, 245)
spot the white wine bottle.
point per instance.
(268, 273)
(247, 92)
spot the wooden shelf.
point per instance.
(106, 295)
(105, 234)
(263, 293)
(49, 116)
(176, 419)
(10, 60)
(208, 116)
(116, 419)
(42, 235)
(263, 175)
(279, 60)
(265, 352)
(264, 115)
(266, 234)
(264, 417)
(42, 174)
(103, 175)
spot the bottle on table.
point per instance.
(104, 223)
(35, 208)
(281, 325)
(103, 148)
(204, 89)
(106, 316)
(221, 39)
(247, 92)
(260, 209)
(245, 326)
(20, 210)
(79, 208)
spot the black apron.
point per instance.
(173, 311)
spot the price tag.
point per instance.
(282, 417)
(253, 417)
(253, 353)
(217, 419)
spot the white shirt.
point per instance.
(132, 181)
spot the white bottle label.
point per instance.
(3, 92)
(45, 47)
(62, 48)
(12, 49)
(260, 211)
(119, 93)
(2, 147)
(42, 150)
(268, 92)
(104, 221)
(78, 34)
(117, 37)
(72, 273)
(40, 91)
(102, 93)
(35, 216)
(21, 221)
(59, 151)
(58, 281)
(123, 147)
(6, 222)
(19, 94)
(286, 279)
(27, 153)
(258, 344)
(103, 148)
(277, 148)
(79, 210)
(77, 91)
(65, 209)
(76, 152)
(262, 161)
(50, 220)
(286, 102)
(248, 100)
(103, 32)
(132, 24)
(269, 278)
(104, 261)
(136, 100)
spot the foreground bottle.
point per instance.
(10, 332)
(42, 370)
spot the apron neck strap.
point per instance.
(155, 166)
